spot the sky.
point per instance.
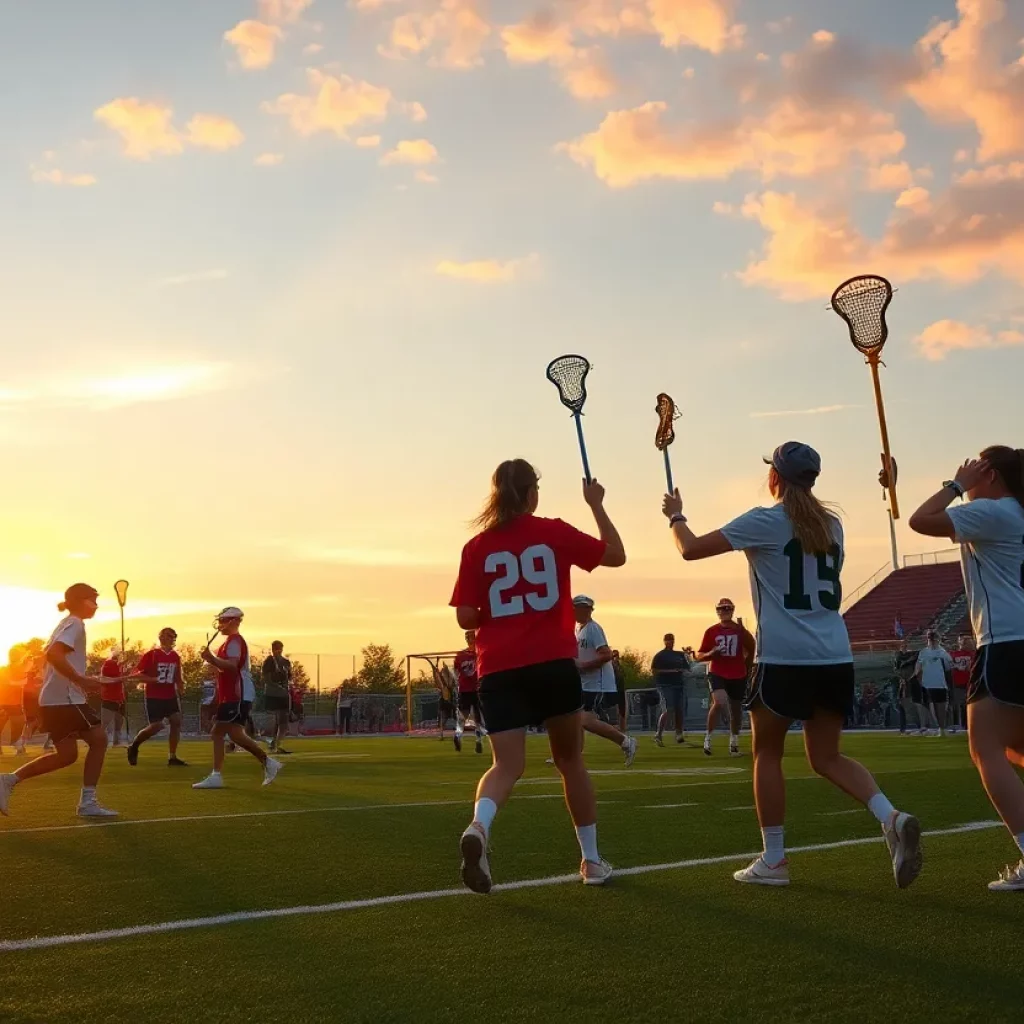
(281, 279)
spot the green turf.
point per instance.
(841, 944)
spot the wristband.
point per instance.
(677, 518)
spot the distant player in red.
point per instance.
(113, 702)
(729, 649)
(469, 696)
(514, 590)
(962, 660)
(160, 671)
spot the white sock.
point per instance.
(1020, 844)
(880, 807)
(587, 835)
(215, 772)
(484, 811)
(88, 794)
(734, 740)
(774, 844)
(707, 739)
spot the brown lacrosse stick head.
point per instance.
(862, 302)
(667, 415)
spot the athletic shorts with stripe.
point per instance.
(798, 691)
(234, 712)
(64, 720)
(998, 671)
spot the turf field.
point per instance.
(375, 824)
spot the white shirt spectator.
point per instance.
(933, 663)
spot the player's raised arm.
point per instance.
(615, 552)
(690, 546)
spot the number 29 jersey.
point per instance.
(796, 595)
(518, 577)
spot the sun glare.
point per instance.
(24, 614)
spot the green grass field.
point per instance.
(356, 820)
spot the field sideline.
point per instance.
(334, 895)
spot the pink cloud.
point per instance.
(255, 43)
(937, 340)
(334, 104)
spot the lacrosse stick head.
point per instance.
(569, 375)
(121, 591)
(862, 302)
(667, 415)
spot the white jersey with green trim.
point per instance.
(796, 595)
(990, 533)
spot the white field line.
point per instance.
(833, 814)
(742, 807)
(185, 924)
(663, 807)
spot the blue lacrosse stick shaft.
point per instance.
(583, 447)
(668, 470)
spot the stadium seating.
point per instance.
(919, 596)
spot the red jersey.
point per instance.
(166, 667)
(518, 577)
(726, 640)
(111, 668)
(231, 685)
(465, 671)
(962, 661)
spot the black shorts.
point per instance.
(159, 708)
(30, 707)
(234, 711)
(445, 709)
(998, 671)
(933, 695)
(735, 689)
(596, 701)
(273, 703)
(117, 706)
(521, 697)
(916, 692)
(64, 720)
(797, 691)
(469, 704)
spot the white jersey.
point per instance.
(991, 538)
(796, 595)
(601, 678)
(934, 663)
(58, 689)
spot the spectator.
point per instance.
(277, 677)
(935, 670)
(670, 667)
(962, 659)
(904, 664)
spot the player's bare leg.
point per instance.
(591, 723)
(735, 724)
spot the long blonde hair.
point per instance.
(511, 485)
(813, 521)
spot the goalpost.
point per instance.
(436, 660)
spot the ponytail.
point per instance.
(813, 523)
(63, 606)
(511, 485)
(1008, 463)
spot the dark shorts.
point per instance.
(159, 708)
(469, 704)
(596, 701)
(117, 706)
(445, 709)
(797, 691)
(998, 671)
(273, 703)
(735, 689)
(234, 712)
(530, 695)
(30, 707)
(64, 720)
(933, 695)
(915, 692)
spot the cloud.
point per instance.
(411, 151)
(211, 131)
(426, 178)
(817, 411)
(283, 11)
(255, 43)
(368, 141)
(312, 49)
(539, 39)
(706, 24)
(914, 198)
(937, 340)
(587, 77)
(193, 278)
(269, 159)
(415, 111)
(53, 176)
(486, 271)
(453, 32)
(145, 128)
(334, 104)
(890, 177)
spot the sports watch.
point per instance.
(954, 487)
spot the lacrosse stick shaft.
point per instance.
(893, 502)
(668, 471)
(583, 447)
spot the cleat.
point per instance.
(476, 870)
(270, 770)
(629, 750)
(92, 809)
(735, 752)
(595, 873)
(680, 739)
(707, 747)
(658, 740)
(176, 762)
(133, 755)
(760, 873)
(1011, 879)
(210, 782)
(903, 837)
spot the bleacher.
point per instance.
(920, 596)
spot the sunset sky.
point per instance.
(281, 278)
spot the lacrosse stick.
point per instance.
(862, 303)
(569, 375)
(667, 415)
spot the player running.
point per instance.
(804, 665)
(990, 532)
(469, 696)
(513, 588)
(235, 694)
(728, 648)
(66, 715)
(113, 700)
(160, 671)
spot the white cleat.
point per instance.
(210, 782)
(1011, 879)
(760, 873)
(476, 870)
(707, 747)
(93, 809)
(595, 873)
(629, 750)
(903, 837)
(7, 783)
(270, 770)
(735, 752)
(659, 741)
